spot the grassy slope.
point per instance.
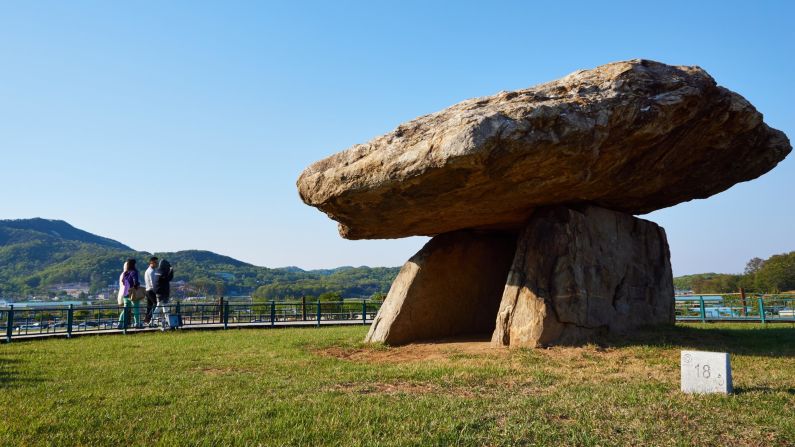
(282, 387)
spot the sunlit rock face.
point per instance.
(631, 136)
(578, 273)
(530, 195)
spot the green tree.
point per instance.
(777, 274)
(330, 296)
(753, 266)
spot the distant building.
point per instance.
(72, 289)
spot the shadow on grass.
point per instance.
(763, 390)
(739, 339)
(9, 374)
(736, 338)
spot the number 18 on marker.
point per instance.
(706, 372)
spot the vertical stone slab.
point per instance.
(579, 272)
(451, 287)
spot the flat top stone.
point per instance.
(631, 136)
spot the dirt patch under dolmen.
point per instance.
(445, 349)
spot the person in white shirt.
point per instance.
(151, 297)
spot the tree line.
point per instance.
(773, 275)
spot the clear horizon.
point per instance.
(185, 125)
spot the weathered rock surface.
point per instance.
(563, 165)
(581, 272)
(451, 287)
(630, 136)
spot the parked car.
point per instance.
(30, 327)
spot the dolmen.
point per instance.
(529, 197)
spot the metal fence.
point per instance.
(34, 322)
(761, 308)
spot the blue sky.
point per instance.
(177, 125)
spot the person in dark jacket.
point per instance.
(161, 284)
(127, 282)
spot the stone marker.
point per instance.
(706, 372)
(556, 172)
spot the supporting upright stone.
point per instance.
(579, 272)
(451, 287)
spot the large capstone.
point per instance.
(631, 136)
(583, 272)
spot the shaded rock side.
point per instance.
(578, 273)
(631, 136)
(451, 287)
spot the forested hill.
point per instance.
(772, 275)
(26, 230)
(36, 255)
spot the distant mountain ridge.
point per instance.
(52, 228)
(204, 256)
(37, 254)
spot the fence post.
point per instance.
(179, 314)
(9, 323)
(318, 313)
(226, 314)
(69, 319)
(745, 303)
(703, 311)
(273, 312)
(762, 310)
(303, 307)
(364, 312)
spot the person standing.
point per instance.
(120, 298)
(151, 297)
(162, 277)
(127, 282)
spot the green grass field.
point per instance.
(322, 387)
